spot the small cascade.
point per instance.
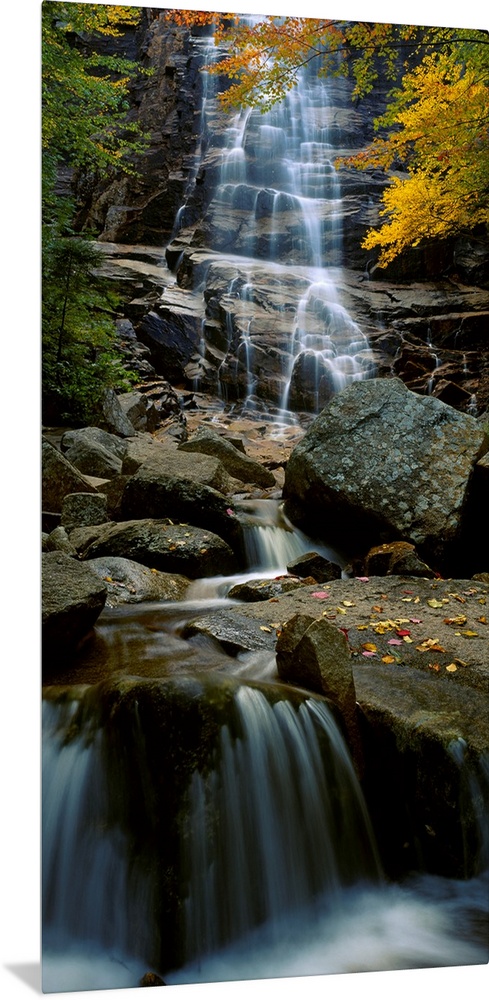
(272, 816)
(180, 815)
(271, 542)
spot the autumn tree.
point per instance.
(433, 138)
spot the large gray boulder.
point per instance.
(182, 488)
(161, 545)
(59, 477)
(94, 435)
(72, 599)
(381, 463)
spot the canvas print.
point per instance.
(265, 486)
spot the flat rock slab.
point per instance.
(431, 633)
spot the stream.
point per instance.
(208, 814)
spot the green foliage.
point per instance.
(85, 126)
(85, 93)
(79, 357)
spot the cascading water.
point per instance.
(210, 826)
(278, 188)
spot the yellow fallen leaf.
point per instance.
(341, 611)
(482, 619)
(459, 620)
(370, 646)
(407, 638)
(407, 600)
(388, 659)
(361, 627)
(451, 668)
(349, 604)
(433, 603)
(469, 633)
(264, 628)
(275, 625)
(108, 579)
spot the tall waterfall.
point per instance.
(275, 222)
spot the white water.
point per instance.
(277, 173)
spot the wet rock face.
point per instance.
(381, 463)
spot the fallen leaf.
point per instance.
(363, 579)
(394, 642)
(388, 659)
(407, 638)
(377, 608)
(108, 579)
(370, 646)
(403, 631)
(459, 620)
(415, 621)
(451, 668)
(433, 603)
(341, 611)
(457, 597)
(406, 599)
(320, 594)
(469, 633)
(367, 652)
(434, 666)
(361, 628)
(275, 625)
(482, 620)
(430, 644)
(349, 604)
(264, 628)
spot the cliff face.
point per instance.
(142, 209)
(245, 207)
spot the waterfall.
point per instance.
(275, 218)
(180, 816)
(271, 817)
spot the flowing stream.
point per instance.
(203, 820)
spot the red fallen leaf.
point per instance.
(345, 631)
(321, 594)
(403, 631)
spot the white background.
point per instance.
(19, 524)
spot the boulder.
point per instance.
(94, 435)
(59, 477)
(141, 412)
(206, 441)
(264, 590)
(79, 509)
(93, 459)
(72, 599)
(398, 558)
(161, 545)
(381, 463)
(129, 582)
(156, 492)
(315, 565)
(111, 416)
(314, 654)
(140, 449)
(58, 541)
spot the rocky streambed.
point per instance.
(146, 574)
